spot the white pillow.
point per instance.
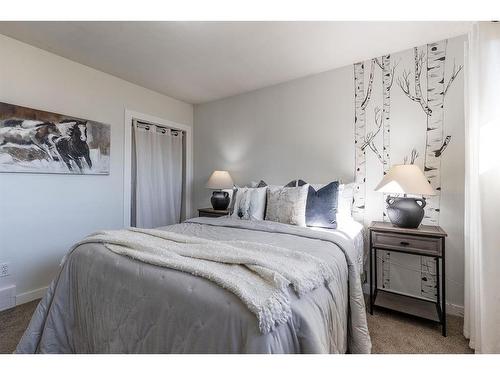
(250, 203)
(345, 199)
(287, 204)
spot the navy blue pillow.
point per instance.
(321, 207)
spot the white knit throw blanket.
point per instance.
(258, 274)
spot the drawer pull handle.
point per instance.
(404, 243)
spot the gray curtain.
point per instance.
(157, 175)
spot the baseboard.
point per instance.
(456, 310)
(30, 296)
(451, 308)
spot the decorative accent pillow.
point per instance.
(287, 204)
(345, 197)
(321, 208)
(250, 203)
(263, 183)
(293, 183)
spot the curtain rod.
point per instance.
(159, 126)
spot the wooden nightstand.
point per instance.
(210, 212)
(426, 240)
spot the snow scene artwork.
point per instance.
(36, 141)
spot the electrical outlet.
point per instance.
(4, 269)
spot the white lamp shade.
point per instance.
(220, 180)
(405, 179)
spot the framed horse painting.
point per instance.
(44, 142)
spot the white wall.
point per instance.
(42, 215)
(305, 129)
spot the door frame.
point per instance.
(127, 164)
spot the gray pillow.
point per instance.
(292, 183)
(321, 208)
(262, 183)
(287, 204)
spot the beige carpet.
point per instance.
(394, 333)
(390, 332)
(13, 323)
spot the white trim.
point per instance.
(127, 164)
(30, 296)
(455, 310)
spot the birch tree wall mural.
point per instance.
(423, 80)
(434, 56)
(367, 140)
(387, 81)
(433, 106)
(359, 135)
(362, 139)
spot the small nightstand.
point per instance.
(210, 212)
(426, 240)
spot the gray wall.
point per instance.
(42, 215)
(305, 128)
(302, 128)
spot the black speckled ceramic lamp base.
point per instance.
(405, 212)
(220, 200)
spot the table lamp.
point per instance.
(220, 180)
(405, 212)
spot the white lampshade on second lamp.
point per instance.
(405, 179)
(220, 180)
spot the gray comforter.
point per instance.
(102, 302)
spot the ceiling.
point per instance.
(203, 61)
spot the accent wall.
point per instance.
(411, 107)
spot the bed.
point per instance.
(103, 302)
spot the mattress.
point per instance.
(102, 302)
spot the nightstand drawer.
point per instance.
(408, 243)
